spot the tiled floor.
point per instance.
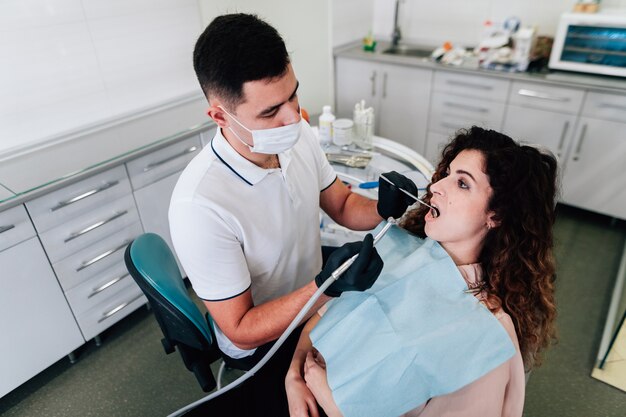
(129, 375)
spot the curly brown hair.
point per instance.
(517, 259)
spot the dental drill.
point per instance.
(296, 321)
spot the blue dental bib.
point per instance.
(414, 335)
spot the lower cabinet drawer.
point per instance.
(89, 228)
(450, 113)
(104, 315)
(95, 259)
(98, 289)
(15, 227)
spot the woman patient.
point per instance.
(496, 210)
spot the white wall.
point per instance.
(67, 64)
(460, 21)
(305, 27)
(351, 20)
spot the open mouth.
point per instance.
(434, 211)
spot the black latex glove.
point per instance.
(362, 273)
(391, 201)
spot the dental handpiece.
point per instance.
(344, 266)
(434, 209)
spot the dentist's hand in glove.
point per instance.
(391, 201)
(362, 273)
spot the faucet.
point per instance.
(396, 35)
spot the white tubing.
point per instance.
(294, 323)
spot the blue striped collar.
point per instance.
(250, 173)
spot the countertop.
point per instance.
(42, 169)
(569, 79)
(5, 194)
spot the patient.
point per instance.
(496, 204)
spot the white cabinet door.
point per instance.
(405, 98)
(550, 129)
(37, 326)
(435, 142)
(595, 178)
(355, 80)
(399, 94)
(153, 202)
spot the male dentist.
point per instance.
(244, 216)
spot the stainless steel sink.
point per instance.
(406, 50)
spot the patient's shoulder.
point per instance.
(506, 322)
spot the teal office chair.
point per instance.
(152, 265)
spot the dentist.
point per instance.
(244, 215)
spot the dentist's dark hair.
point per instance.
(234, 49)
(517, 256)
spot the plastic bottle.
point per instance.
(326, 126)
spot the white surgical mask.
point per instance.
(271, 141)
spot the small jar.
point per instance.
(342, 132)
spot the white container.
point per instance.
(326, 126)
(363, 126)
(342, 132)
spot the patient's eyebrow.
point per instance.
(460, 171)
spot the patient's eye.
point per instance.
(463, 184)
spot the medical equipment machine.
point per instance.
(294, 323)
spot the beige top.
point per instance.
(498, 393)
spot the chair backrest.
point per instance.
(153, 267)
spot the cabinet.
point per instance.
(460, 101)
(543, 115)
(37, 325)
(594, 177)
(399, 94)
(153, 202)
(550, 129)
(63, 279)
(84, 228)
(153, 178)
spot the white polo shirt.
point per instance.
(236, 226)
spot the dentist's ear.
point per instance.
(218, 115)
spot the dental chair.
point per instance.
(152, 265)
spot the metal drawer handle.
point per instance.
(6, 228)
(163, 161)
(466, 107)
(102, 256)
(562, 139)
(543, 96)
(612, 106)
(94, 226)
(470, 85)
(385, 84)
(107, 285)
(449, 125)
(84, 195)
(117, 309)
(583, 132)
(373, 81)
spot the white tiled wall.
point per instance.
(460, 21)
(65, 64)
